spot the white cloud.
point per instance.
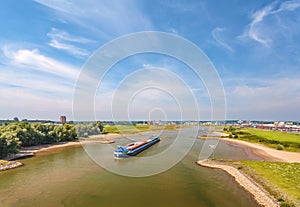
(105, 18)
(62, 35)
(35, 82)
(69, 48)
(147, 65)
(64, 41)
(216, 35)
(259, 30)
(32, 81)
(34, 60)
(271, 99)
(172, 30)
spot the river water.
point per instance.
(69, 177)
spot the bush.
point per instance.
(284, 204)
(280, 147)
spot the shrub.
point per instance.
(284, 204)
(279, 147)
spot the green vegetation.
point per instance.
(275, 135)
(281, 179)
(17, 134)
(4, 162)
(130, 129)
(88, 129)
(275, 139)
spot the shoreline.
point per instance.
(260, 195)
(30, 151)
(53, 146)
(47, 147)
(268, 154)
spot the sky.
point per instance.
(253, 45)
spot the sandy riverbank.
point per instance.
(213, 134)
(261, 196)
(267, 153)
(48, 147)
(26, 152)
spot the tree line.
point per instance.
(86, 129)
(22, 134)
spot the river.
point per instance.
(69, 177)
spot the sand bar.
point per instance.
(267, 153)
(9, 165)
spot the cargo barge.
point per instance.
(134, 148)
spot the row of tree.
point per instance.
(17, 134)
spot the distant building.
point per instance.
(62, 119)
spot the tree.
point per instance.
(9, 143)
(17, 134)
(100, 126)
(16, 119)
(87, 129)
(65, 133)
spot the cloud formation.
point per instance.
(64, 41)
(259, 30)
(216, 35)
(105, 18)
(34, 60)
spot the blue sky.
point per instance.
(254, 46)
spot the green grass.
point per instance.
(275, 135)
(130, 129)
(283, 177)
(274, 139)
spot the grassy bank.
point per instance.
(131, 129)
(274, 139)
(282, 180)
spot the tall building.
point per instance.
(62, 119)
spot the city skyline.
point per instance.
(254, 47)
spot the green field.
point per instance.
(275, 135)
(131, 129)
(280, 179)
(275, 139)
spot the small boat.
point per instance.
(134, 148)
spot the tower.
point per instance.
(62, 119)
